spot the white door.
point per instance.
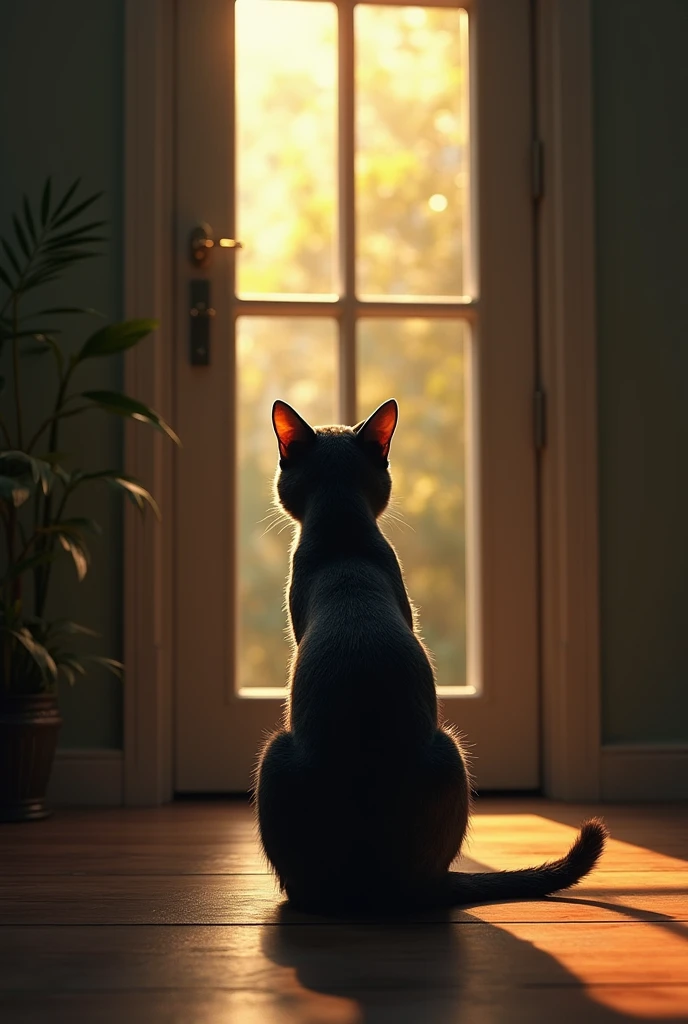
(374, 162)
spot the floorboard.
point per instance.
(170, 915)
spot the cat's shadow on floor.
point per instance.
(425, 970)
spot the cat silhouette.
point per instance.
(363, 796)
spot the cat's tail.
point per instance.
(461, 888)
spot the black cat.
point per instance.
(363, 797)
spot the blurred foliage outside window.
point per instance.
(411, 178)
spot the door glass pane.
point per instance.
(294, 359)
(412, 151)
(423, 364)
(286, 75)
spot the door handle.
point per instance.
(202, 243)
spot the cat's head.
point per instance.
(317, 462)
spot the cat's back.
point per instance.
(350, 588)
(359, 663)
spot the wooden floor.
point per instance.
(170, 915)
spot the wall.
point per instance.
(61, 71)
(641, 140)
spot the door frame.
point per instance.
(570, 681)
(569, 557)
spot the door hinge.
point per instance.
(537, 169)
(540, 419)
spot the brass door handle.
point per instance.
(202, 243)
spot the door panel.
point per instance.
(387, 250)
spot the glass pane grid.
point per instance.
(353, 173)
(400, 225)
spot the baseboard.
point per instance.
(87, 777)
(644, 772)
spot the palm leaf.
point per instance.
(66, 197)
(76, 210)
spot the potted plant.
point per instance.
(40, 485)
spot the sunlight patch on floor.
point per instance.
(632, 883)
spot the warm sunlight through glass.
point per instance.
(286, 80)
(413, 151)
(294, 359)
(422, 363)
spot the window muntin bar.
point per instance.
(354, 320)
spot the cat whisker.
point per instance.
(274, 517)
(396, 520)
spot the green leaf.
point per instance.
(50, 345)
(79, 552)
(17, 464)
(116, 338)
(66, 197)
(21, 237)
(9, 252)
(136, 492)
(68, 628)
(38, 652)
(62, 473)
(133, 488)
(74, 236)
(116, 667)
(37, 280)
(13, 492)
(123, 405)
(71, 659)
(67, 672)
(72, 247)
(64, 258)
(70, 533)
(76, 210)
(66, 310)
(45, 201)
(37, 333)
(73, 527)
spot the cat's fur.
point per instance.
(363, 797)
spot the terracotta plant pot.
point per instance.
(29, 725)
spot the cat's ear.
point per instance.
(379, 428)
(289, 427)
